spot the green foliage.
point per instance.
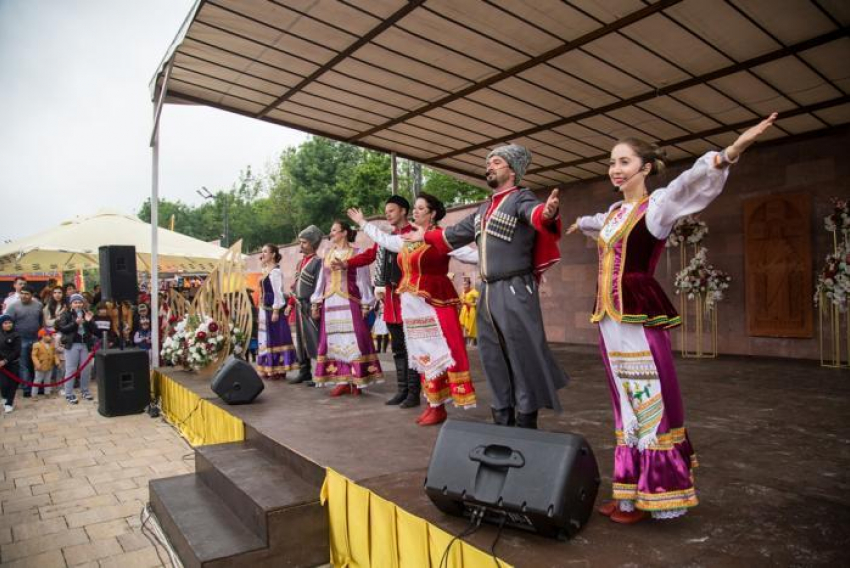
(452, 191)
(311, 184)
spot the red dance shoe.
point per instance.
(341, 389)
(425, 413)
(438, 415)
(629, 518)
(355, 391)
(607, 508)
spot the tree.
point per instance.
(451, 190)
(308, 185)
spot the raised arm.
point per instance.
(389, 242)
(590, 225)
(696, 188)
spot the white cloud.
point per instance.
(76, 115)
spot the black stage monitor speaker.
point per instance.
(118, 273)
(544, 482)
(123, 381)
(237, 382)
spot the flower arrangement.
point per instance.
(839, 220)
(700, 277)
(237, 340)
(687, 230)
(834, 280)
(195, 343)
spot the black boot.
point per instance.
(503, 416)
(527, 420)
(401, 381)
(303, 375)
(414, 389)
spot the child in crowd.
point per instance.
(105, 330)
(379, 330)
(142, 337)
(10, 355)
(44, 360)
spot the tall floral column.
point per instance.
(833, 290)
(699, 286)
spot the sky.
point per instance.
(76, 115)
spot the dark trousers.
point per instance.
(9, 386)
(26, 366)
(397, 342)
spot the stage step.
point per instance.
(203, 531)
(275, 514)
(251, 483)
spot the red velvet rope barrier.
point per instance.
(76, 373)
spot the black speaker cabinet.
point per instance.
(544, 482)
(237, 382)
(118, 273)
(123, 381)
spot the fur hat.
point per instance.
(312, 235)
(518, 158)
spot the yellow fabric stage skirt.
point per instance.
(197, 420)
(367, 531)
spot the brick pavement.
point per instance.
(72, 484)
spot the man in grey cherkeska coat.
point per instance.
(517, 240)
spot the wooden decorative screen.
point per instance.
(778, 265)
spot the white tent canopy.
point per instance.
(73, 245)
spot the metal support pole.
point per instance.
(394, 173)
(226, 223)
(154, 285)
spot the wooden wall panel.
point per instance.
(778, 265)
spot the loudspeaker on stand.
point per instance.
(123, 381)
(118, 278)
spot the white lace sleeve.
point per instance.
(364, 283)
(689, 193)
(591, 225)
(319, 291)
(276, 278)
(390, 242)
(466, 255)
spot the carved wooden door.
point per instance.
(778, 265)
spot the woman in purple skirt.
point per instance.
(346, 356)
(276, 351)
(653, 459)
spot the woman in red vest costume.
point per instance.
(429, 307)
(653, 459)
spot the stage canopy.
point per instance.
(74, 244)
(443, 81)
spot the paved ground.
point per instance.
(73, 484)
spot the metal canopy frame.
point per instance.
(443, 81)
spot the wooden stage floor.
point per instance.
(772, 437)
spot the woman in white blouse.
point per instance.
(276, 354)
(346, 356)
(653, 458)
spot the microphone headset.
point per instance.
(640, 170)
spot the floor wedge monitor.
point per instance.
(545, 482)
